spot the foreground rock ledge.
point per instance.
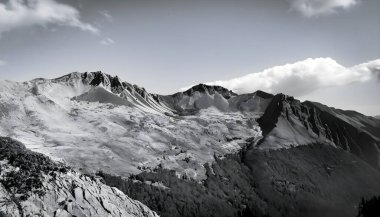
(49, 189)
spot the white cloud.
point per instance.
(303, 77)
(312, 8)
(106, 15)
(107, 41)
(3, 63)
(16, 14)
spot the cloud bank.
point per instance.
(303, 77)
(16, 14)
(312, 8)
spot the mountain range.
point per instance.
(206, 151)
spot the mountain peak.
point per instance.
(203, 88)
(263, 94)
(99, 77)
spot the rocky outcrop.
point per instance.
(72, 194)
(99, 78)
(31, 184)
(274, 110)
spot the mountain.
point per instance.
(206, 151)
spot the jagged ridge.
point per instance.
(324, 124)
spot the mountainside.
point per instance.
(313, 180)
(289, 122)
(206, 151)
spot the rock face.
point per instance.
(31, 185)
(72, 194)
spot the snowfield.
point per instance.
(93, 128)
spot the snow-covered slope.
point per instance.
(96, 122)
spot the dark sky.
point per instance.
(164, 45)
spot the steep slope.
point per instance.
(31, 184)
(101, 95)
(357, 120)
(288, 122)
